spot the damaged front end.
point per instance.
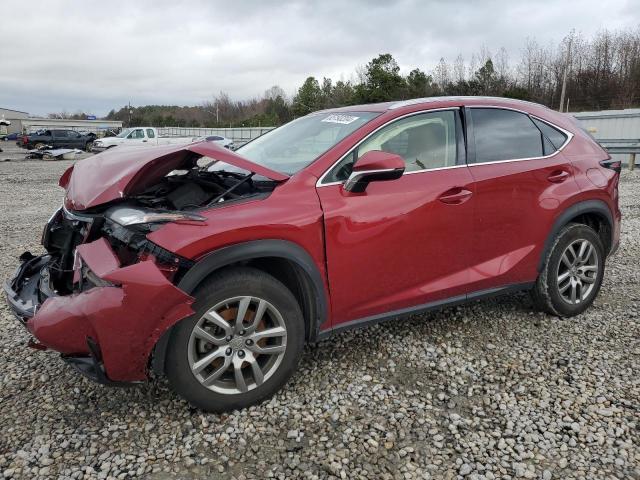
(104, 316)
(103, 294)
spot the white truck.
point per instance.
(139, 136)
(147, 136)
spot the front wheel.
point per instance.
(572, 273)
(242, 344)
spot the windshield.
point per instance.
(124, 133)
(293, 146)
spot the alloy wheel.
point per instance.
(577, 271)
(237, 345)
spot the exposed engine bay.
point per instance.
(182, 194)
(203, 185)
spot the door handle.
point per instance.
(455, 196)
(558, 176)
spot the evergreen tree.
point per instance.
(308, 98)
(383, 81)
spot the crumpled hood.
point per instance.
(122, 171)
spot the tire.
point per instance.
(214, 385)
(563, 275)
(88, 146)
(38, 145)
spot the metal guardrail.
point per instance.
(623, 146)
(240, 135)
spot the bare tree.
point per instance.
(459, 73)
(442, 75)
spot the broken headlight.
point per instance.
(127, 216)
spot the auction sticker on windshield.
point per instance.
(343, 119)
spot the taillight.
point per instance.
(615, 165)
(25, 139)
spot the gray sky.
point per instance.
(94, 56)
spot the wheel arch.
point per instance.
(594, 213)
(286, 261)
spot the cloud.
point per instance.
(94, 56)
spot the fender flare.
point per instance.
(249, 251)
(598, 207)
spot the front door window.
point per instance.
(425, 141)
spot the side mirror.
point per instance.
(374, 166)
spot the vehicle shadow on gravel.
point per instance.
(369, 348)
(474, 328)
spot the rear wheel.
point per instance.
(39, 145)
(88, 146)
(242, 344)
(572, 273)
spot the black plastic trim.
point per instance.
(366, 177)
(23, 295)
(405, 312)
(461, 138)
(92, 367)
(261, 249)
(258, 249)
(589, 206)
(469, 136)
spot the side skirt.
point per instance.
(406, 312)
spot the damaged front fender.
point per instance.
(124, 319)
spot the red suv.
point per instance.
(214, 268)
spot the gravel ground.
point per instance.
(489, 390)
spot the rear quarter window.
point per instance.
(551, 134)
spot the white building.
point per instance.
(21, 122)
(13, 116)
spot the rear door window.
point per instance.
(60, 133)
(150, 133)
(504, 135)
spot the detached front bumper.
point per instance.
(108, 329)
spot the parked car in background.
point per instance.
(214, 267)
(140, 136)
(222, 141)
(57, 139)
(11, 137)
